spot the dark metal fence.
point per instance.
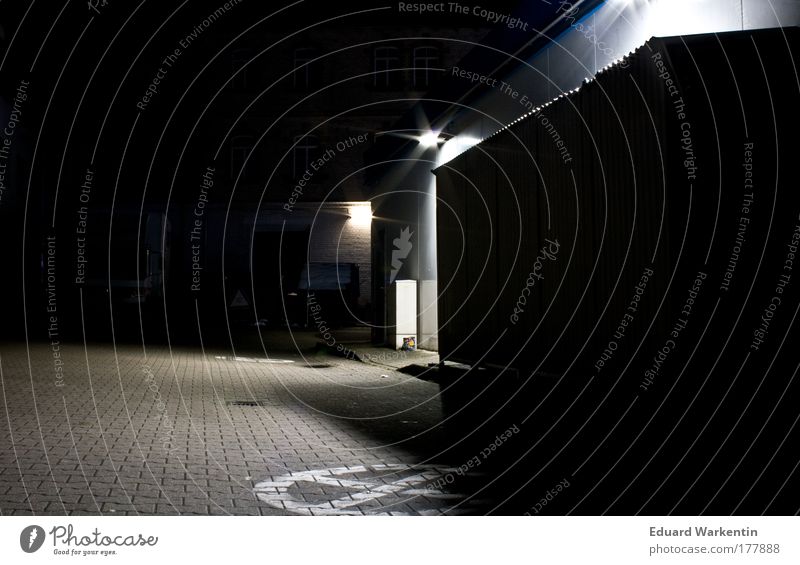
(607, 226)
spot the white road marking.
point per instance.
(360, 491)
(252, 360)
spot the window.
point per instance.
(304, 73)
(240, 149)
(425, 60)
(386, 62)
(306, 149)
(239, 59)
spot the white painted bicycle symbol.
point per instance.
(356, 490)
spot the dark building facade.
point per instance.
(218, 170)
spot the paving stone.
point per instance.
(172, 446)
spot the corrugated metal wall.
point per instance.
(603, 172)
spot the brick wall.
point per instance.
(334, 238)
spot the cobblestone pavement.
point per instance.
(133, 431)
